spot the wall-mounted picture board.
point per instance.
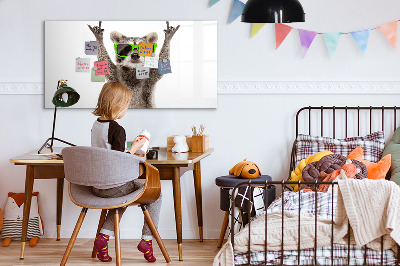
(166, 64)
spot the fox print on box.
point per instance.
(13, 215)
(124, 71)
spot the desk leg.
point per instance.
(176, 183)
(60, 190)
(27, 206)
(197, 189)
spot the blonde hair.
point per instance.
(113, 97)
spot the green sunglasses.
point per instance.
(126, 49)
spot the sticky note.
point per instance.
(102, 67)
(82, 64)
(91, 48)
(98, 78)
(142, 72)
(145, 49)
(151, 62)
(164, 67)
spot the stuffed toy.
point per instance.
(13, 215)
(375, 170)
(245, 169)
(296, 174)
(180, 144)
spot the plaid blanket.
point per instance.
(323, 205)
(340, 254)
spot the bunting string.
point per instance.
(361, 37)
(376, 28)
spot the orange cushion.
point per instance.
(375, 170)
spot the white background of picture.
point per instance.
(192, 83)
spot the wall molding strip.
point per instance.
(259, 87)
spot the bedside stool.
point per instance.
(228, 182)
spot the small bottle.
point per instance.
(144, 134)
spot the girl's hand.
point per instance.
(137, 144)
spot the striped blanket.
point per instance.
(323, 205)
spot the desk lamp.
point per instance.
(273, 11)
(63, 97)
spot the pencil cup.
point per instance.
(200, 143)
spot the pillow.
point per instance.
(375, 170)
(393, 148)
(296, 174)
(372, 144)
(329, 164)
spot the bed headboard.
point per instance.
(344, 121)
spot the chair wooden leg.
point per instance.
(73, 237)
(154, 230)
(117, 239)
(223, 229)
(101, 222)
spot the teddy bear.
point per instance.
(13, 215)
(180, 144)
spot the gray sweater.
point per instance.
(110, 135)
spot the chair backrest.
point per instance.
(92, 166)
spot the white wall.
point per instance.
(259, 127)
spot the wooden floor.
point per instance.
(50, 252)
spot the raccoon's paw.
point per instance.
(97, 31)
(170, 31)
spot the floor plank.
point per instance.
(49, 252)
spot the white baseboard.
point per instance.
(259, 87)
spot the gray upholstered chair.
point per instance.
(85, 167)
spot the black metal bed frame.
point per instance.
(283, 184)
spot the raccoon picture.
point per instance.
(124, 68)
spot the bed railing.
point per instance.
(343, 118)
(265, 185)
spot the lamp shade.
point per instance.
(65, 96)
(273, 11)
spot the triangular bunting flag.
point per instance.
(361, 37)
(306, 39)
(281, 31)
(255, 28)
(237, 9)
(213, 2)
(332, 41)
(390, 32)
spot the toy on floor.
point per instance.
(245, 169)
(13, 215)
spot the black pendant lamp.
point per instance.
(272, 11)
